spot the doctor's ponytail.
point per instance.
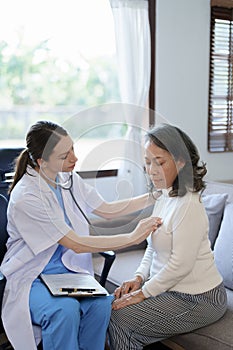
(21, 164)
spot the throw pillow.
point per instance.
(214, 205)
(223, 249)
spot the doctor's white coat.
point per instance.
(35, 224)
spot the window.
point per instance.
(220, 135)
(57, 59)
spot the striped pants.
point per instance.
(163, 316)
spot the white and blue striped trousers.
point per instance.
(163, 316)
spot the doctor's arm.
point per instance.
(93, 244)
(112, 210)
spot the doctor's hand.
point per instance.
(128, 287)
(128, 299)
(144, 228)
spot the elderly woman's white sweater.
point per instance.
(178, 256)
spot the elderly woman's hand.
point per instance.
(128, 299)
(128, 286)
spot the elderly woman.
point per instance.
(177, 287)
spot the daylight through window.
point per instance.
(57, 59)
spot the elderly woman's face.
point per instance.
(161, 166)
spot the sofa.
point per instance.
(218, 202)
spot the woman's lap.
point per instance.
(168, 314)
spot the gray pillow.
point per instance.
(214, 205)
(223, 249)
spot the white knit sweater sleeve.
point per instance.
(144, 269)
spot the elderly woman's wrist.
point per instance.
(139, 279)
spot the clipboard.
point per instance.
(73, 284)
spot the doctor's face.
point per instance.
(62, 158)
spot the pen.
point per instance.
(75, 290)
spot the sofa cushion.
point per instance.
(223, 249)
(214, 205)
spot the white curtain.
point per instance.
(132, 34)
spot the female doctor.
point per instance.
(48, 233)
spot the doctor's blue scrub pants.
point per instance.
(69, 323)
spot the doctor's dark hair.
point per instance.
(181, 147)
(41, 139)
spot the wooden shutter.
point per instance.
(220, 128)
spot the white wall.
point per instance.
(182, 75)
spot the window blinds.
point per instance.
(220, 135)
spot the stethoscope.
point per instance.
(67, 186)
